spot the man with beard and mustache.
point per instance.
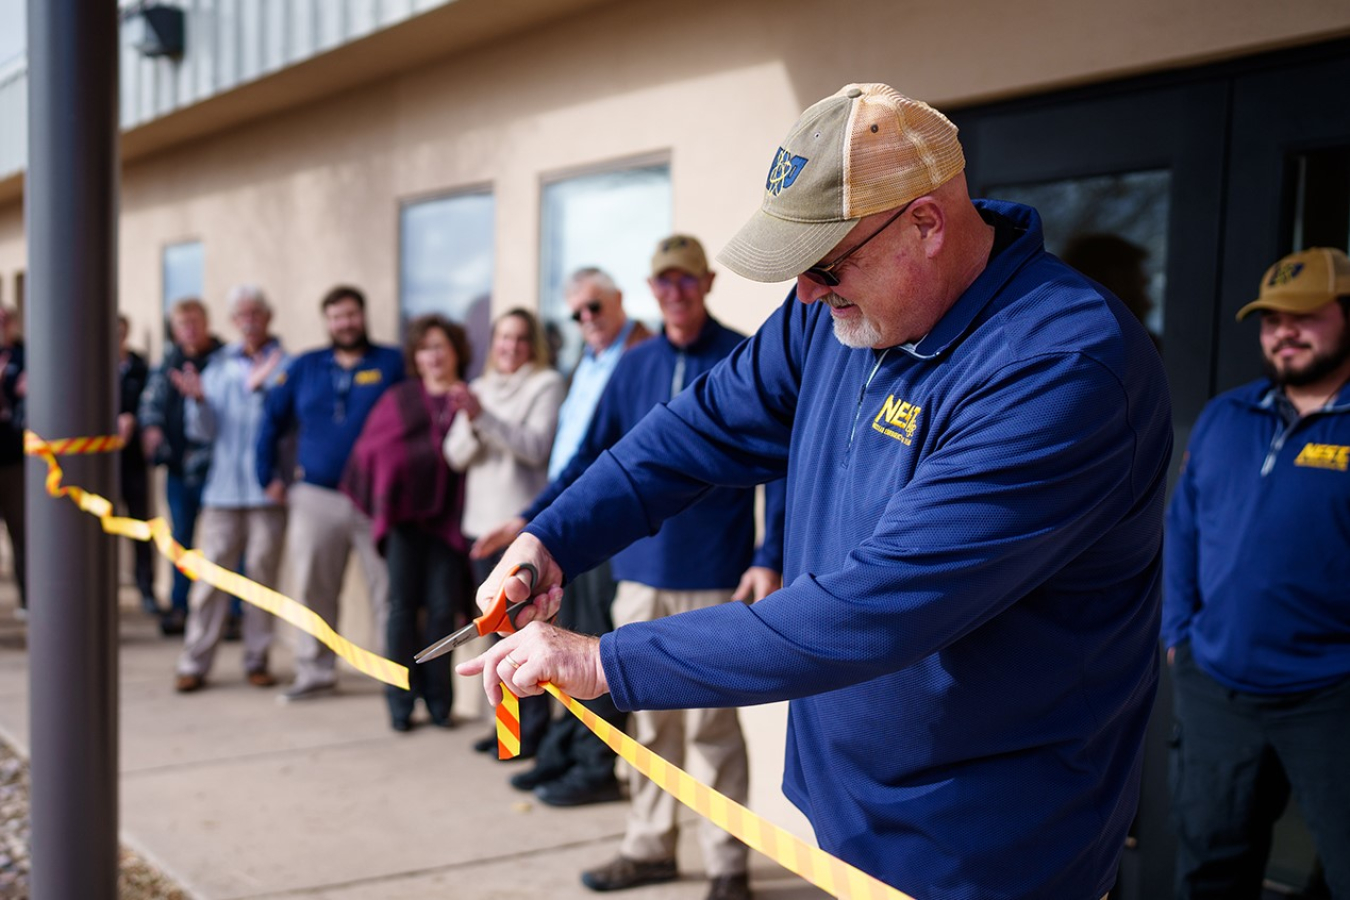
(325, 396)
(976, 441)
(1256, 613)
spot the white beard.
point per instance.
(860, 333)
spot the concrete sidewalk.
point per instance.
(236, 796)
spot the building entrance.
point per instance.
(1177, 191)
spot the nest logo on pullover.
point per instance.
(1324, 456)
(898, 419)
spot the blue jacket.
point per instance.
(1258, 544)
(161, 406)
(968, 631)
(711, 544)
(329, 405)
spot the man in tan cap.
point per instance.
(1255, 615)
(702, 557)
(976, 442)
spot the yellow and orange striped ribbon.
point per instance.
(195, 566)
(832, 875)
(508, 725)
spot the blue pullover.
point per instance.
(968, 631)
(1258, 543)
(711, 544)
(329, 405)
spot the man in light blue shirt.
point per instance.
(596, 305)
(225, 409)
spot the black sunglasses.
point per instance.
(823, 273)
(593, 307)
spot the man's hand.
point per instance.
(757, 583)
(276, 491)
(126, 426)
(262, 369)
(187, 382)
(152, 437)
(496, 538)
(1171, 656)
(540, 653)
(525, 549)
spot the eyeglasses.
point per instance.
(685, 282)
(823, 273)
(593, 307)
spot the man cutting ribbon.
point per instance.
(975, 440)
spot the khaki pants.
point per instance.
(714, 734)
(223, 535)
(324, 528)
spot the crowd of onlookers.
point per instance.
(273, 456)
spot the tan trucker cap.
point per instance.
(864, 150)
(1302, 282)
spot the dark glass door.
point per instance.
(1178, 191)
(1130, 188)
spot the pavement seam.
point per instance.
(526, 853)
(246, 757)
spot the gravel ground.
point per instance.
(137, 880)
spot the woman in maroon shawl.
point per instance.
(398, 476)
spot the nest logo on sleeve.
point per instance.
(784, 171)
(898, 419)
(1324, 456)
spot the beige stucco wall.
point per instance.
(301, 200)
(309, 197)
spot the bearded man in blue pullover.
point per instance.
(324, 397)
(976, 441)
(1256, 612)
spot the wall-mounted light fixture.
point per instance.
(160, 29)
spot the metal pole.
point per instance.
(71, 208)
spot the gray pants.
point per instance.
(325, 526)
(222, 536)
(714, 735)
(12, 513)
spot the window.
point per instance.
(608, 219)
(1319, 182)
(13, 31)
(184, 265)
(445, 264)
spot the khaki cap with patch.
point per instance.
(1302, 282)
(679, 251)
(865, 150)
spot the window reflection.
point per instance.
(607, 219)
(1112, 228)
(445, 264)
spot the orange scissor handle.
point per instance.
(499, 617)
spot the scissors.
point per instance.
(498, 617)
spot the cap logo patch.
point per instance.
(1284, 274)
(784, 171)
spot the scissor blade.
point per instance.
(446, 644)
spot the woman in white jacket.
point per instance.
(501, 442)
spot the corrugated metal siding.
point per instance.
(228, 43)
